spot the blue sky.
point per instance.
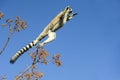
(89, 44)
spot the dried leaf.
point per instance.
(23, 24)
(8, 20)
(3, 25)
(38, 75)
(20, 24)
(56, 60)
(41, 55)
(33, 55)
(45, 53)
(45, 61)
(57, 56)
(58, 63)
(1, 15)
(28, 76)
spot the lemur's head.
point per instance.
(69, 13)
(68, 10)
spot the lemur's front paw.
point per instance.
(75, 14)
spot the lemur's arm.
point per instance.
(71, 16)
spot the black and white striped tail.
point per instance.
(21, 51)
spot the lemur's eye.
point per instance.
(70, 11)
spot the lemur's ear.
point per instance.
(67, 7)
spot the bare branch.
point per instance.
(19, 24)
(20, 75)
(9, 36)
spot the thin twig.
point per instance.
(24, 72)
(27, 69)
(10, 34)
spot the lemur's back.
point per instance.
(55, 24)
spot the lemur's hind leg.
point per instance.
(71, 16)
(51, 37)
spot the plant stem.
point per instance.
(9, 36)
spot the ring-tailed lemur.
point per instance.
(49, 31)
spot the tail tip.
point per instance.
(11, 61)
